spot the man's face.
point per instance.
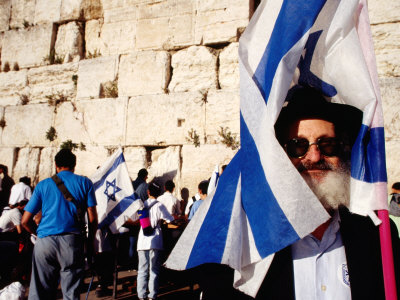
(327, 176)
(313, 164)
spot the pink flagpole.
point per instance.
(387, 256)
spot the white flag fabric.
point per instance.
(213, 180)
(261, 203)
(116, 200)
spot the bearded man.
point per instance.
(341, 259)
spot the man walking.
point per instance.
(58, 253)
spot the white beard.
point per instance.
(333, 191)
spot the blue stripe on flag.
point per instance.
(210, 242)
(271, 229)
(119, 160)
(368, 155)
(294, 20)
(118, 210)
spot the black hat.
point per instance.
(307, 102)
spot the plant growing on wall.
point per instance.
(68, 144)
(193, 137)
(228, 138)
(51, 134)
(2, 123)
(55, 99)
(75, 79)
(95, 54)
(23, 99)
(6, 67)
(54, 58)
(109, 89)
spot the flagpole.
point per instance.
(387, 256)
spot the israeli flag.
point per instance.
(261, 203)
(213, 180)
(116, 201)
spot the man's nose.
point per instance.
(313, 154)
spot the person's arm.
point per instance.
(28, 223)
(92, 223)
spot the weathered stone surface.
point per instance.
(47, 11)
(87, 161)
(8, 156)
(166, 8)
(143, 73)
(92, 9)
(119, 13)
(383, 11)
(22, 13)
(165, 33)
(46, 165)
(104, 120)
(386, 41)
(390, 91)
(70, 10)
(29, 131)
(392, 161)
(219, 22)
(5, 13)
(12, 86)
(194, 68)
(135, 158)
(199, 163)
(180, 113)
(93, 42)
(27, 163)
(52, 80)
(93, 72)
(222, 110)
(229, 67)
(69, 42)
(117, 38)
(165, 165)
(28, 47)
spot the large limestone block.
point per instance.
(392, 161)
(23, 126)
(194, 68)
(386, 42)
(229, 67)
(91, 9)
(27, 163)
(104, 120)
(219, 22)
(94, 72)
(136, 159)
(8, 157)
(164, 119)
(12, 86)
(166, 8)
(120, 13)
(165, 165)
(222, 110)
(52, 80)
(69, 43)
(70, 124)
(109, 38)
(199, 163)
(27, 48)
(5, 13)
(89, 160)
(22, 13)
(165, 33)
(46, 166)
(47, 11)
(383, 11)
(390, 91)
(143, 73)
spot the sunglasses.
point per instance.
(328, 146)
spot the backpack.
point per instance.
(144, 219)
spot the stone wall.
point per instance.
(151, 76)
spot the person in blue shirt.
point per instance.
(203, 187)
(58, 252)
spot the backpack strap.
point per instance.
(68, 196)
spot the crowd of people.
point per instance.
(339, 260)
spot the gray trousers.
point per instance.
(57, 258)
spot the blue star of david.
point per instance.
(306, 76)
(114, 190)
